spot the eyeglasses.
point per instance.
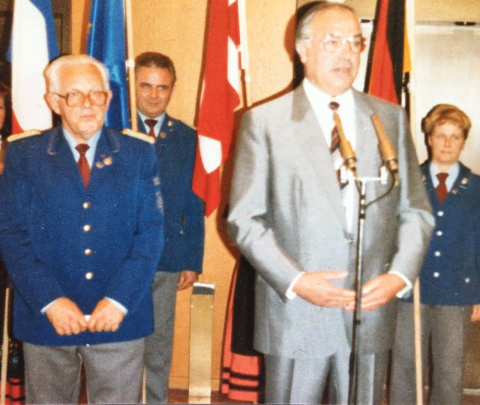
(77, 98)
(452, 139)
(332, 43)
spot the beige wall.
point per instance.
(176, 28)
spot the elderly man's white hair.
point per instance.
(51, 72)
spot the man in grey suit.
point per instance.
(296, 226)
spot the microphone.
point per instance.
(387, 150)
(345, 147)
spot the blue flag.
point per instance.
(106, 43)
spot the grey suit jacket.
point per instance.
(287, 216)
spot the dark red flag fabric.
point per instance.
(385, 66)
(219, 98)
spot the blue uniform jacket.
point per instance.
(451, 270)
(184, 210)
(59, 239)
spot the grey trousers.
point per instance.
(113, 372)
(303, 381)
(158, 346)
(446, 329)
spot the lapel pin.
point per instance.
(454, 191)
(170, 123)
(163, 135)
(99, 165)
(108, 161)
(464, 180)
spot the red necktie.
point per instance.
(151, 124)
(441, 189)
(83, 165)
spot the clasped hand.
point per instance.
(316, 287)
(68, 319)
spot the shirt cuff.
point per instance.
(290, 294)
(118, 305)
(43, 310)
(404, 291)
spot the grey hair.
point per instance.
(51, 72)
(302, 32)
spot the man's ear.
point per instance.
(302, 51)
(52, 101)
(109, 98)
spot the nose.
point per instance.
(86, 101)
(153, 92)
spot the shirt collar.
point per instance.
(453, 171)
(160, 120)
(321, 99)
(92, 143)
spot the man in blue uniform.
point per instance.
(81, 233)
(182, 256)
(450, 275)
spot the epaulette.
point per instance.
(22, 135)
(138, 135)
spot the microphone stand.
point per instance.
(389, 166)
(361, 184)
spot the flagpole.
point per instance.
(244, 55)
(410, 7)
(5, 347)
(131, 64)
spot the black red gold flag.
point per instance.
(386, 58)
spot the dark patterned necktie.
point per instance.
(151, 124)
(441, 189)
(83, 165)
(335, 147)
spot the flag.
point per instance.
(386, 58)
(220, 96)
(33, 46)
(106, 43)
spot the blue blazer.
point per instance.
(184, 210)
(450, 273)
(48, 251)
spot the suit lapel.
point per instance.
(105, 156)
(310, 136)
(63, 159)
(366, 150)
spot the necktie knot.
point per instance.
(82, 148)
(151, 124)
(333, 105)
(442, 177)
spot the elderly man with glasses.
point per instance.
(81, 231)
(295, 220)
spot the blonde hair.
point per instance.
(446, 114)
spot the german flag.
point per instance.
(389, 57)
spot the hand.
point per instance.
(66, 317)
(106, 317)
(475, 313)
(186, 279)
(379, 291)
(315, 287)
